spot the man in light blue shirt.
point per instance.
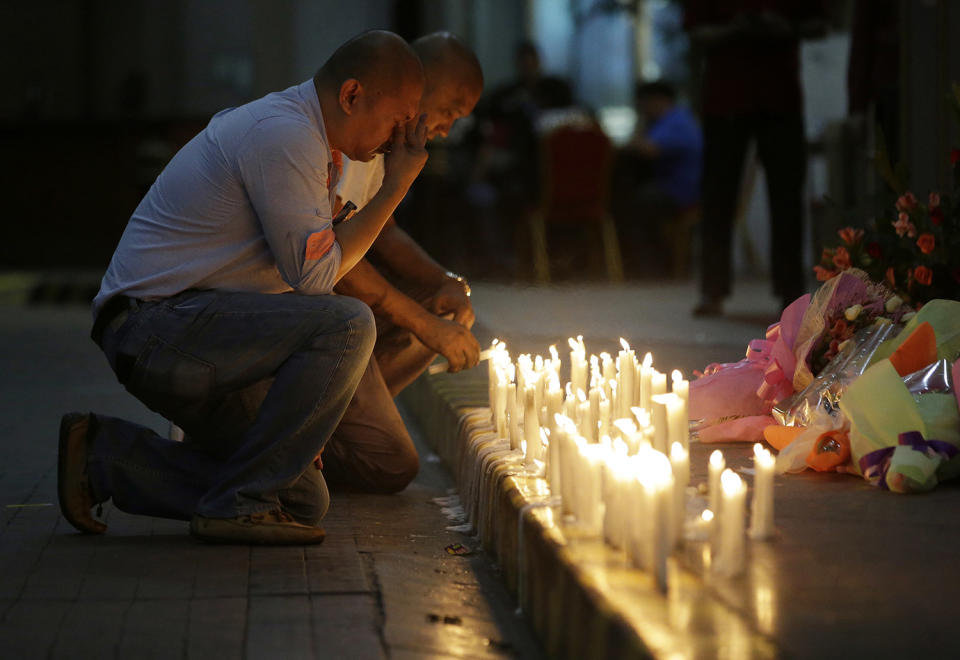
(216, 310)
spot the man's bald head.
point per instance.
(375, 57)
(454, 80)
(370, 85)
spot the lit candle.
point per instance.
(603, 422)
(677, 426)
(650, 541)
(680, 464)
(730, 557)
(584, 419)
(594, 460)
(609, 369)
(568, 459)
(761, 511)
(578, 364)
(714, 470)
(646, 375)
(658, 413)
(617, 477)
(531, 426)
(513, 416)
(492, 381)
(500, 414)
(627, 371)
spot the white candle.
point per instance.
(513, 416)
(609, 369)
(500, 415)
(603, 422)
(646, 375)
(553, 457)
(594, 403)
(616, 496)
(714, 470)
(569, 462)
(492, 381)
(531, 426)
(650, 537)
(730, 556)
(761, 511)
(680, 464)
(627, 373)
(578, 364)
(594, 460)
(677, 427)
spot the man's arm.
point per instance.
(451, 339)
(401, 166)
(404, 256)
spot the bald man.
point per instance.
(217, 309)
(429, 313)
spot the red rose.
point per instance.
(923, 275)
(926, 243)
(873, 249)
(936, 216)
(839, 329)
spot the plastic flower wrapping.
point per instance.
(874, 395)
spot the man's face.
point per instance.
(445, 103)
(376, 115)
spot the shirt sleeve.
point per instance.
(284, 166)
(674, 135)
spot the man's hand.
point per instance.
(452, 297)
(407, 154)
(453, 341)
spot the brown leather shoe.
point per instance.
(267, 528)
(73, 485)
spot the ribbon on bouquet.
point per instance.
(876, 464)
(777, 384)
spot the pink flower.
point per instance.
(904, 226)
(926, 243)
(934, 200)
(906, 202)
(850, 236)
(823, 274)
(841, 258)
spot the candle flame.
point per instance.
(676, 376)
(642, 415)
(677, 452)
(707, 515)
(666, 398)
(625, 425)
(554, 355)
(574, 346)
(581, 396)
(716, 458)
(605, 357)
(623, 342)
(730, 482)
(648, 360)
(758, 449)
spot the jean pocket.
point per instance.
(162, 372)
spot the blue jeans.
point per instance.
(257, 381)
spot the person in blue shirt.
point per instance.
(667, 155)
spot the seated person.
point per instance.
(217, 309)
(659, 169)
(421, 308)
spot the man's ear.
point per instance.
(350, 92)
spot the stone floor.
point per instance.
(381, 585)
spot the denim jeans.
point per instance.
(204, 359)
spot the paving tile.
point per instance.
(280, 570)
(29, 628)
(279, 627)
(346, 626)
(216, 628)
(338, 572)
(91, 629)
(155, 629)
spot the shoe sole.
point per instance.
(238, 540)
(66, 426)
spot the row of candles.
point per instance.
(614, 444)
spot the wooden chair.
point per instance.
(576, 161)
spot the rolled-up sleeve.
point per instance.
(284, 168)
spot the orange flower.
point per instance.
(891, 280)
(850, 236)
(841, 258)
(923, 275)
(823, 274)
(926, 243)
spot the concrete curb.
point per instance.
(580, 595)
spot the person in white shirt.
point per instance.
(421, 308)
(217, 309)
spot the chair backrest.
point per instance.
(576, 161)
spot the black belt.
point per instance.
(112, 315)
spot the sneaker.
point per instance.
(708, 307)
(73, 484)
(266, 528)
